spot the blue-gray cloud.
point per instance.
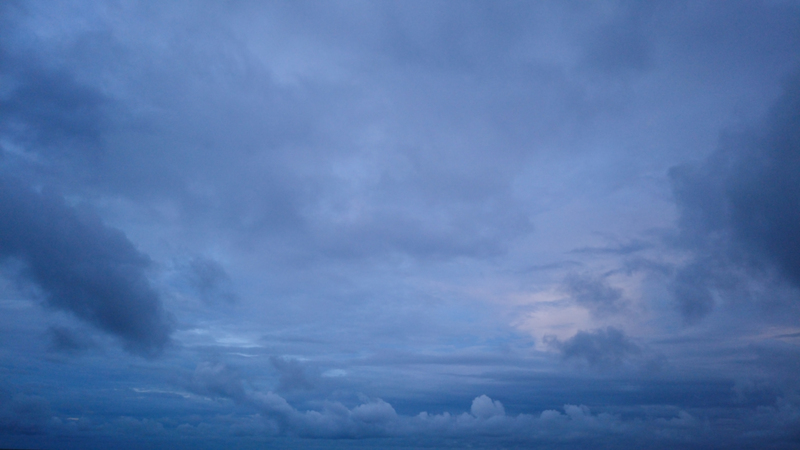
(370, 187)
(595, 294)
(83, 266)
(740, 209)
(64, 339)
(23, 414)
(292, 374)
(211, 281)
(602, 348)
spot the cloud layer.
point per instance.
(413, 224)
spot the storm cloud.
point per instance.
(82, 266)
(740, 208)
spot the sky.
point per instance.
(400, 224)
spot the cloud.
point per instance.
(211, 281)
(484, 407)
(622, 44)
(486, 418)
(740, 209)
(373, 417)
(49, 120)
(52, 131)
(217, 380)
(594, 293)
(49, 110)
(83, 266)
(693, 292)
(63, 339)
(292, 375)
(23, 414)
(138, 427)
(603, 348)
(370, 179)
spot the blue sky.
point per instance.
(399, 224)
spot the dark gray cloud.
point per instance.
(48, 110)
(594, 293)
(82, 266)
(740, 208)
(51, 128)
(602, 348)
(51, 124)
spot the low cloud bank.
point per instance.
(487, 418)
(263, 416)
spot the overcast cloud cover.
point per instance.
(400, 224)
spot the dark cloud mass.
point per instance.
(741, 207)
(82, 266)
(51, 127)
(601, 348)
(764, 189)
